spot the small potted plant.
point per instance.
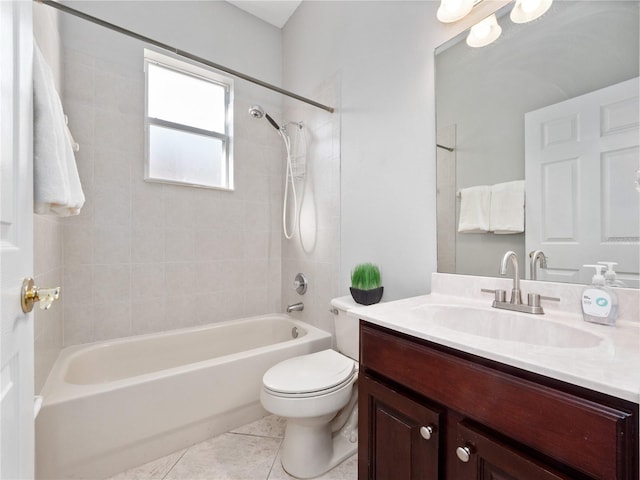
(366, 287)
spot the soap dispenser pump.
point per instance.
(610, 277)
(599, 302)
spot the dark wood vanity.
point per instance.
(430, 412)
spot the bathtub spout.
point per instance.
(296, 307)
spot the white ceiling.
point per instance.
(276, 12)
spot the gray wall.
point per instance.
(384, 54)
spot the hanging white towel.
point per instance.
(507, 207)
(56, 183)
(474, 209)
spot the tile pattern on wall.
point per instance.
(47, 230)
(144, 257)
(315, 248)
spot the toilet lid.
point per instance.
(309, 373)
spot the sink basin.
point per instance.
(507, 326)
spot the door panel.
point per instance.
(581, 156)
(403, 437)
(16, 240)
(491, 459)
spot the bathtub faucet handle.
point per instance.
(300, 284)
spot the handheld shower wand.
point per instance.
(256, 111)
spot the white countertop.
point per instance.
(612, 366)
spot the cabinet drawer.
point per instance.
(489, 458)
(578, 432)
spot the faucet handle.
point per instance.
(533, 299)
(553, 299)
(500, 295)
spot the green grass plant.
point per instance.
(366, 276)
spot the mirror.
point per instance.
(483, 96)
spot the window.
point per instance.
(187, 123)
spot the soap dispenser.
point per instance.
(599, 302)
(610, 277)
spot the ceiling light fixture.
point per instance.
(528, 10)
(485, 32)
(453, 10)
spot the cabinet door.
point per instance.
(398, 437)
(483, 458)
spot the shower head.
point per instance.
(256, 111)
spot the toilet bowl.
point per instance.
(317, 394)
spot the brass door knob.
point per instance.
(31, 294)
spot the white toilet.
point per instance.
(318, 395)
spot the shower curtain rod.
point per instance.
(182, 53)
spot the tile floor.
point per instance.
(251, 452)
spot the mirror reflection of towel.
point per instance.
(507, 207)
(475, 204)
(56, 183)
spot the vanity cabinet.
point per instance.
(403, 438)
(485, 420)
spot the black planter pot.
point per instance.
(366, 297)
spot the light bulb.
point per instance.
(452, 6)
(453, 10)
(527, 10)
(482, 30)
(485, 32)
(529, 6)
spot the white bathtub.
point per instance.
(113, 405)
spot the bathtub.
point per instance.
(113, 405)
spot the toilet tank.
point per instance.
(347, 334)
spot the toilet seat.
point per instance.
(310, 375)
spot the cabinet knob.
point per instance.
(463, 453)
(427, 431)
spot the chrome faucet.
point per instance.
(516, 295)
(296, 307)
(515, 303)
(537, 256)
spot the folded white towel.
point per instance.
(56, 183)
(474, 209)
(507, 207)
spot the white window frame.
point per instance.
(201, 73)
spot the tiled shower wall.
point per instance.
(48, 230)
(315, 248)
(144, 257)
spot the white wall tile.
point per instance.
(146, 252)
(77, 288)
(78, 325)
(111, 245)
(111, 283)
(179, 245)
(147, 245)
(179, 279)
(147, 281)
(111, 320)
(78, 245)
(147, 316)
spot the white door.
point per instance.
(16, 240)
(581, 158)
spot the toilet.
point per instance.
(318, 395)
